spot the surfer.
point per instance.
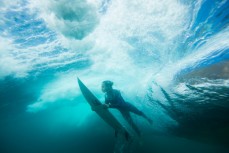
(113, 99)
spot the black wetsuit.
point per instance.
(115, 100)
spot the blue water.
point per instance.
(170, 58)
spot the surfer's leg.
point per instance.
(128, 118)
(135, 110)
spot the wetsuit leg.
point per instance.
(126, 115)
(134, 109)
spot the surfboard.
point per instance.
(103, 113)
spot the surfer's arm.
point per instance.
(106, 105)
(114, 106)
(119, 101)
(116, 101)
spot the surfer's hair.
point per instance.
(108, 83)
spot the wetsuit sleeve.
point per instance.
(106, 100)
(118, 100)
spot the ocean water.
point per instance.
(169, 58)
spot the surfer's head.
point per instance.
(107, 85)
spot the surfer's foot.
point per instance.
(116, 133)
(127, 135)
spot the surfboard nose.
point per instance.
(79, 81)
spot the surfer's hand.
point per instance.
(106, 106)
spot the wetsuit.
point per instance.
(115, 100)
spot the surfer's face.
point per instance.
(105, 88)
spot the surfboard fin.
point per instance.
(127, 136)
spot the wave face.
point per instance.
(170, 58)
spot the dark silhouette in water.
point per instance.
(113, 99)
(203, 117)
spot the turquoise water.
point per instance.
(167, 57)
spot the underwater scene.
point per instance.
(169, 59)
